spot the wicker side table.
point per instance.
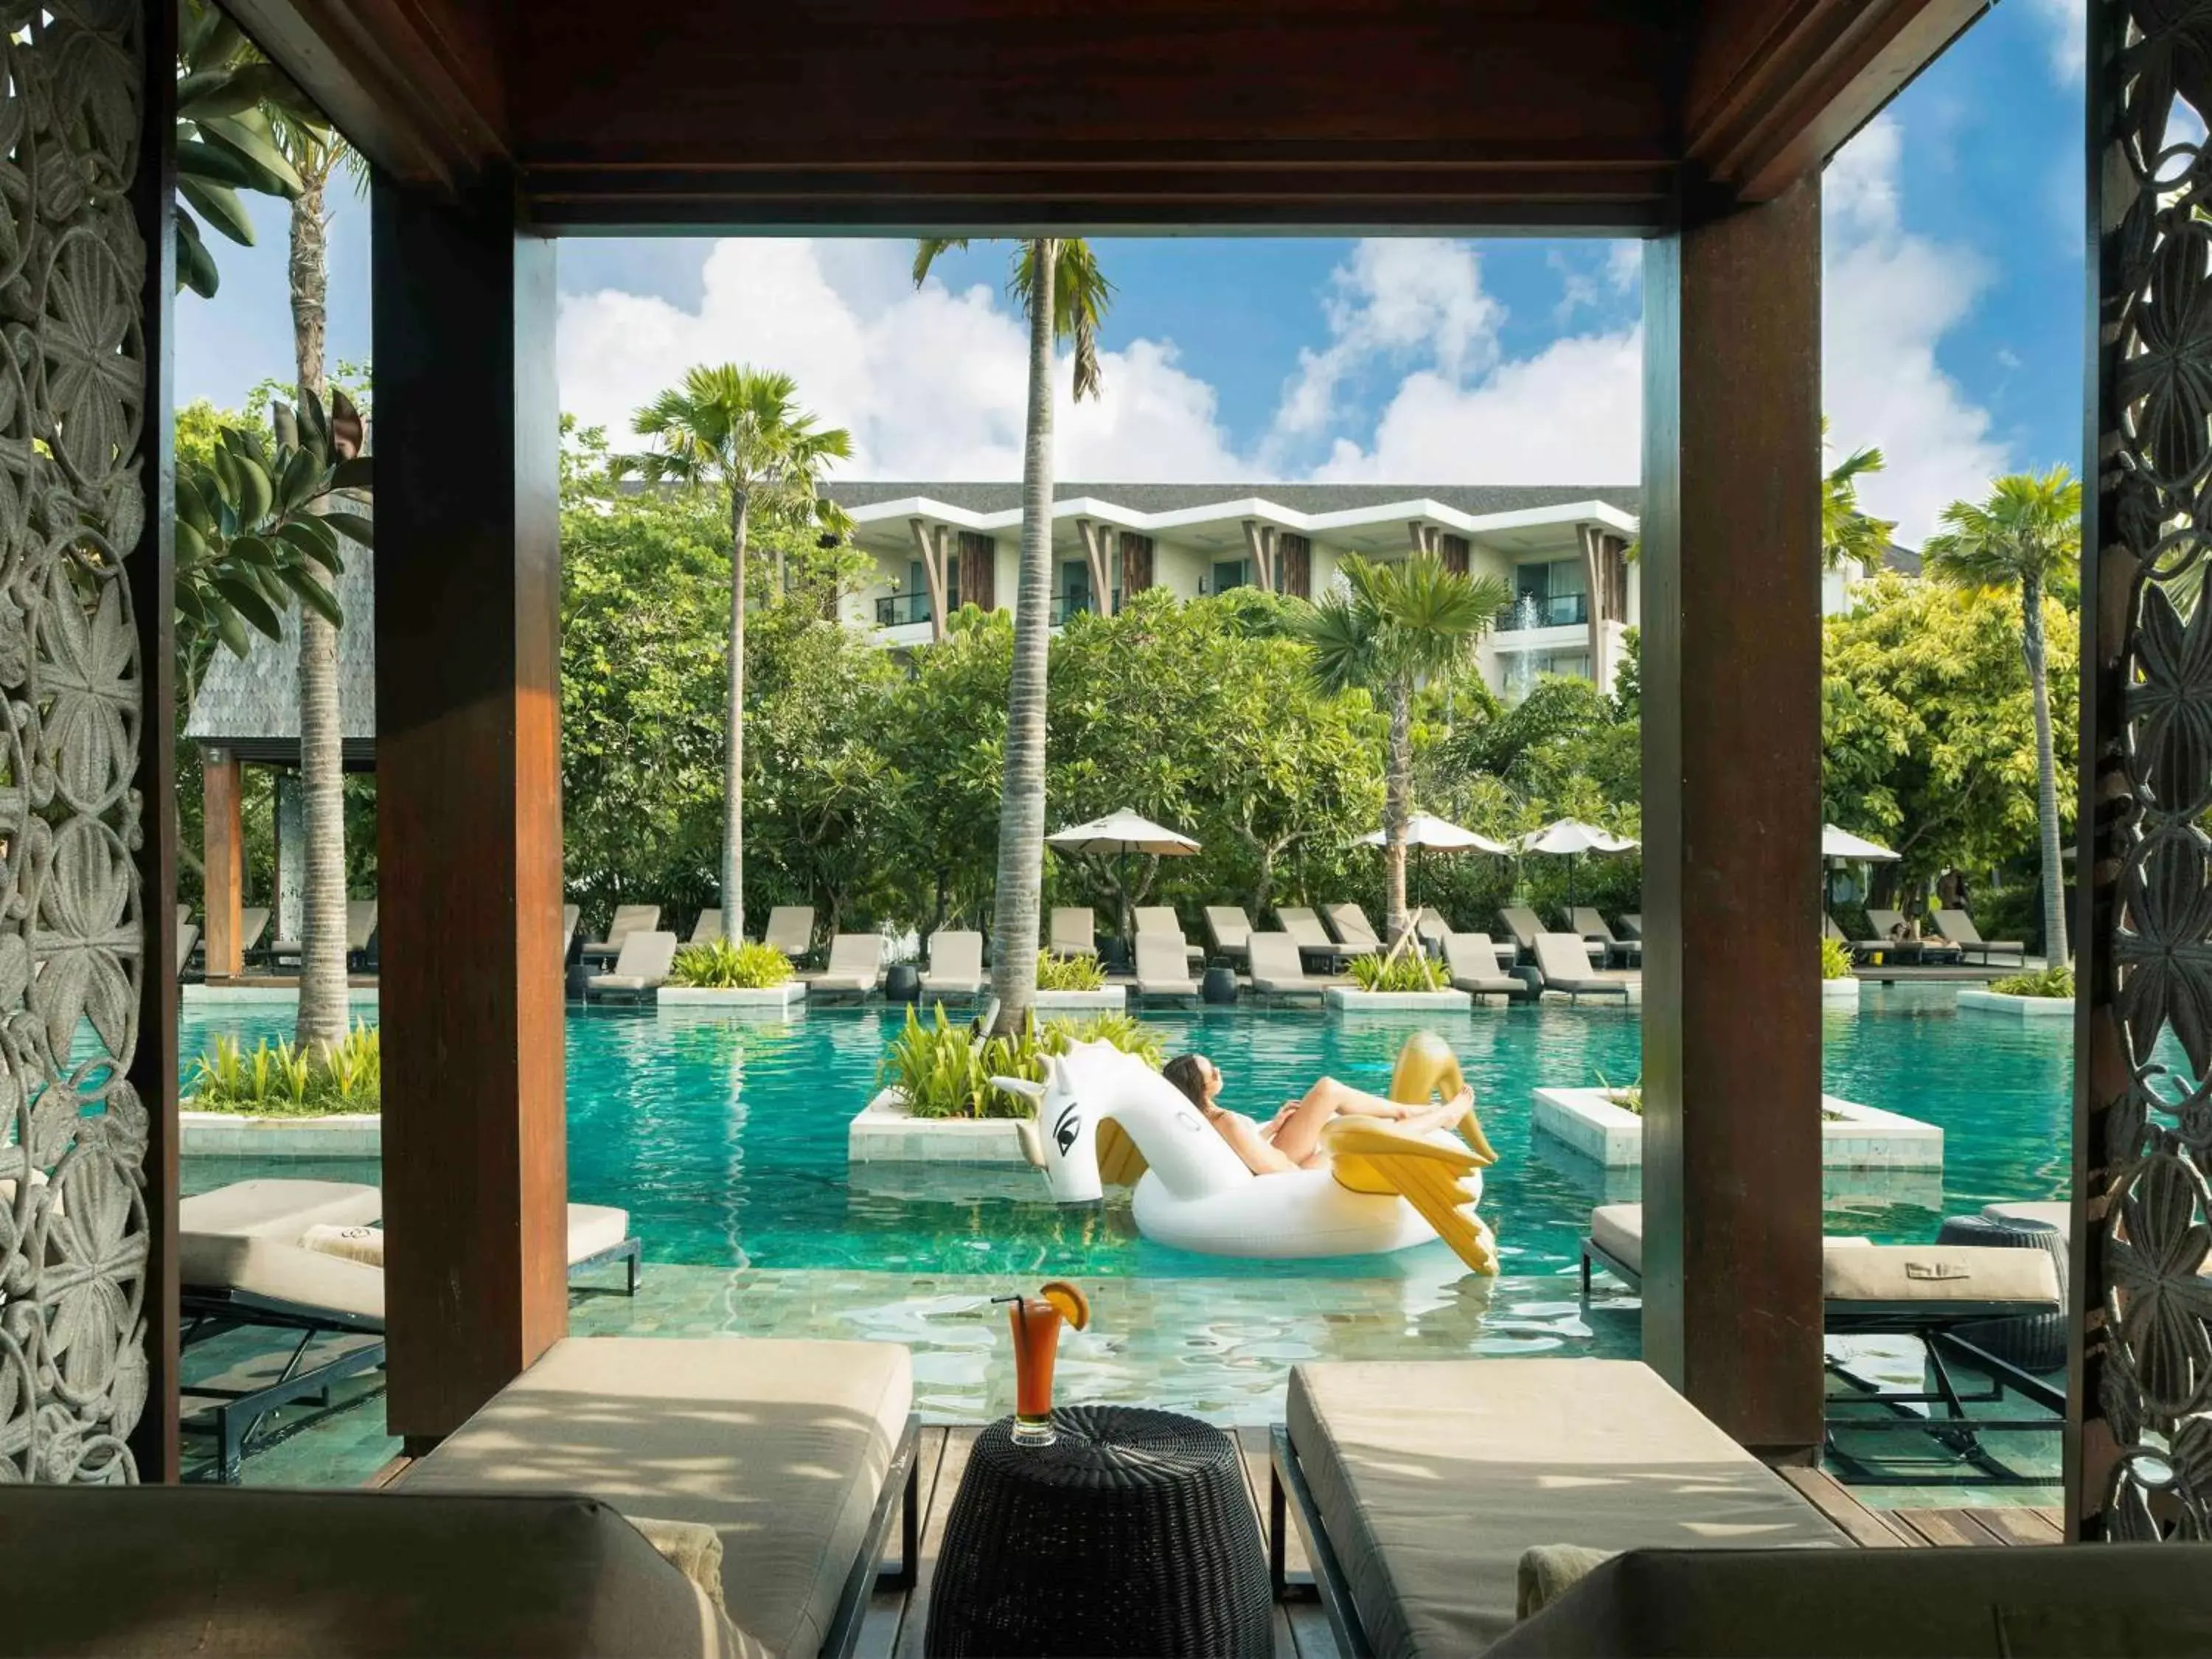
(1132, 1534)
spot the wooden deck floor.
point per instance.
(896, 1620)
(1928, 1528)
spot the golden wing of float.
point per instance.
(1367, 1155)
(1120, 1162)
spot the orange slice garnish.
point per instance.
(1074, 1307)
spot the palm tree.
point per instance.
(2026, 536)
(1846, 533)
(1388, 629)
(1058, 283)
(738, 429)
(316, 155)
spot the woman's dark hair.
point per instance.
(1187, 1073)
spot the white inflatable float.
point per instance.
(1106, 1117)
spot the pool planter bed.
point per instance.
(774, 999)
(234, 1134)
(263, 996)
(1863, 1137)
(2002, 1002)
(884, 1133)
(1350, 1000)
(1840, 990)
(1114, 997)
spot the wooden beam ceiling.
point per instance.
(996, 114)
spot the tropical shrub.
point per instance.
(1406, 970)
(2056, 980)
(279, 1080)
(1069, 973)
(724, 964)
(1835, 960)
(943, 1072)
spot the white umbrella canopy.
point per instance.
(1843, 844)
(1426, 829)
(1571, 835)
(1122, 832)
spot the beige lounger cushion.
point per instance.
(1434, 1477)
(279, 1209)
(781, 1446)
(1618, 1230)
(1939, 1273)
(595, 1227)
(280, 1270)
(194, 1571)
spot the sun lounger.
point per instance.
(629, 919)
(252, 923)
(1276, 969)
(1313, 941)
(1472, 961)
(1886, 923)
(791, 929)
(1352, 930)
(1632, 924)
(955, 964)
(1163, 969)
(1932, 1291)
(1418, 1485)
(188, 940)
(570, 915)
(361, 933)
(639, 971)
(1430, 927)
(1591, 926)
(1527, 928)
(1074, 931)
(856, 960)
(709, 928)
(1561, 960)
(1959, 927)
(1230, 932)
(799, 1455)
(261, 1254)
(1162, 918)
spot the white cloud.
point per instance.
(2066, 24)
(930, 382)
(1891, 295)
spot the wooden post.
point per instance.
(222, 854)
(934, 543)
(1732, 820)
(1097, 546)
(150, 571)
(469, 800)
(1260, 541)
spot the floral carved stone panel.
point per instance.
(73, 1133)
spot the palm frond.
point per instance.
(928, 250)
(2028, 528)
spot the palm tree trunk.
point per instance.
(2046, 774)
(322, 1014)
(1397, 807)
(1021, 791)
(734, 765)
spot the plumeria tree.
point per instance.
(2024, 538)
(740, 430)
(1064, 293)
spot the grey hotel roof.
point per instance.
(1474, 500)
(251, 705)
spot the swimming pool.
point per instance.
(725, 1140)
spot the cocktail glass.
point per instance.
(1036, 1325)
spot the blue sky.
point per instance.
(1954, 256)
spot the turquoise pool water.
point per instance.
(725, 1140)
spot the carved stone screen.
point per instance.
(2143, 1157)
(73, 1219)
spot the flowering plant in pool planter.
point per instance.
(943, 1072)
(281, 1081)
(1835, 960)
(724, 964)
(2055, 981)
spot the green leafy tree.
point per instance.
(1847, 534)
(1391, 628)
(228, 101)
(2022, 540)
(740, 430)
(945, 737)
(1060, 287)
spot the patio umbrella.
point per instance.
(1424, 831)
(1121, 834)
(1842, 846)
(1571, 838)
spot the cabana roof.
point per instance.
(250, 705)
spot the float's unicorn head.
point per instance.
(1094, 1082)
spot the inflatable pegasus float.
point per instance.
(1106, 1118)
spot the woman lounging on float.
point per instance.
(1291, 1138)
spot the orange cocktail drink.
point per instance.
(1036, 1345)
